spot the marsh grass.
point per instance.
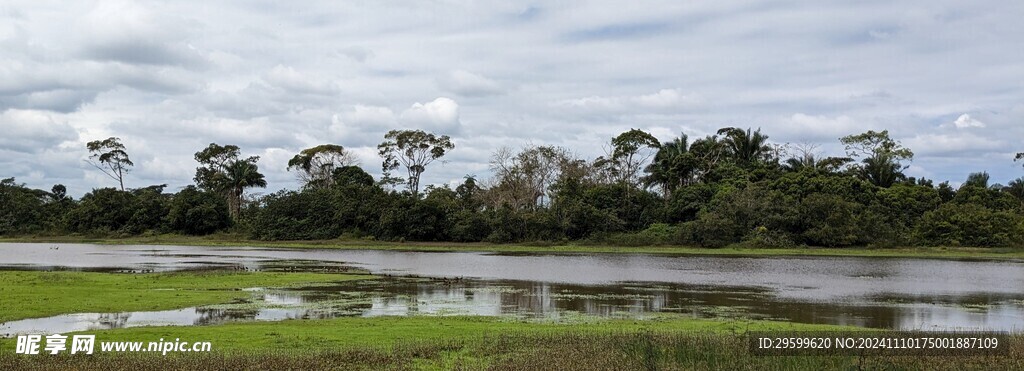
(636, 350)
(33, 294)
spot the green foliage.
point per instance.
(196, 212)
(214, 161)
(413, 220)
(720, 190)
(629, 152)
(106, 209)
(1016, 189)
(290, 215)
(467, 226)
(991, 198)
(656, 234)
(883, 157)
(971, 225)
(414, 150)
(21, 209)
(317, 165)
(351, 176)
(748, 148)
(829, 220)
(686, 203)
(149, 210)
(735, 213)
(312, 214)
(222, 171)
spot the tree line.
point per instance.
(732, 187)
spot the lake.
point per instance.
(892, 293)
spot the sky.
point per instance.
(946, 78)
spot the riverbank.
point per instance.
(657, 341)
(33, 294)
(434, 343)
(938, 252)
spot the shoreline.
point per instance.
(938, 252)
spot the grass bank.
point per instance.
(429, 343)
(31, 294)
(937, 252)
(482, 343)
(297, 336)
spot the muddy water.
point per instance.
(881, 293)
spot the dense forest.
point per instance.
(735, 187)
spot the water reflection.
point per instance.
(527, 299)
(880, 293)
(104, 321)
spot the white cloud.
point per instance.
(372, 115)
(289, 79)
(664, 99)
(954, 145)
(170, 77)
(466, 83)
(965, 121)
(667, 98)
(801, 126)
(29, 131)
(441, 114)
(357, 53)
(131, 33)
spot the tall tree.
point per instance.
(414, 150)
(214, 161)
(316, 165)
(224, 173)
(806, 159)
(59, 192)
(883, 157)
(110, 157)
(524, 179)
(630, 151)
(673, 166)
(746, 147)
(242, 174)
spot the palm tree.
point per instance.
(808, 161)
(672, 167)
(241, 175)
(881, 171)
(746, 147)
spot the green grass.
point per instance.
(435, 343)
(383, 332)
(238, 240)
(31, 294)
(420, 342)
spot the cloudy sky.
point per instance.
(945, 77)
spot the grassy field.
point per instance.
(237, 240)
(30, 294)
(432, 343)
(419, 342)
(296, 336)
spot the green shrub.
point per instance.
(196, 212)
(970, 225)
(829, 220)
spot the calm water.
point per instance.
(881, 293)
